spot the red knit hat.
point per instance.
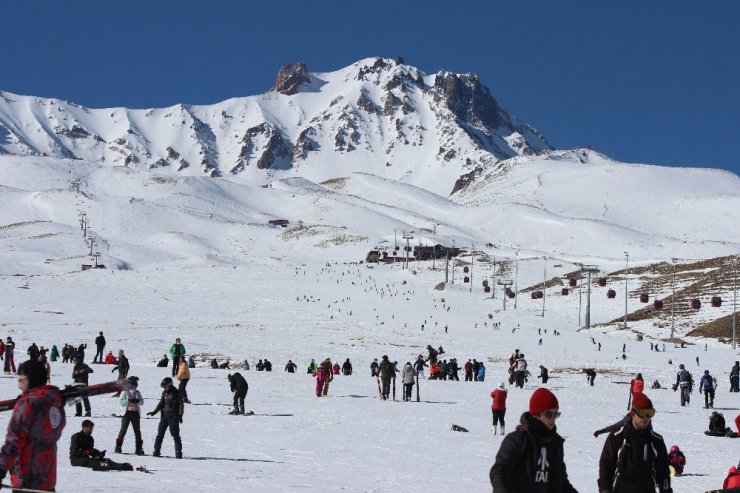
(641, 401)
(542, 400)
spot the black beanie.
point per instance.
(35, 371)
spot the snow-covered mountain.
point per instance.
(352, 159)
(378, 115)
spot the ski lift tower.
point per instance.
(407, 236)
(589, 269)
(505, 283)
(673, 297)
(734, 303)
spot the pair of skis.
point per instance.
(380, 391)
(75, 392)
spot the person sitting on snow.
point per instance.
(677, 460)
(82, 452)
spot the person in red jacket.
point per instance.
(30, 449)
(498, 407)
(637, 385)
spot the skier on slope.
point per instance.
(172, 409)
(240, 388)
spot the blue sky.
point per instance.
(644, 81)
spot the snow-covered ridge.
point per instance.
(377, 115)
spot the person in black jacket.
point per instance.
(240, 388)
(81, 373)
(122, 367)
(171, 408)
(634, 458)
(530, 459)
(82, 452)
(347, 367)
(99, 347)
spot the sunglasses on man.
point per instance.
(644, 413)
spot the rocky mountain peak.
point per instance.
(468, 99)
(290, 77)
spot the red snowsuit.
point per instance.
(320, 378)
(30, 450)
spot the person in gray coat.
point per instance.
(408, 374)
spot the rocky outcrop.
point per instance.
(290, 78)
(366, 104)
(470, 100)
(265, 140)
(466, 179)
(304, 145)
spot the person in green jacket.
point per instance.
(54, 353)
(177, 351)
(312, 367)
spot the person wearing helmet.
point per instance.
(677, 460)
(30, 449)
(498, 407)
(131, 400)
(706, 385)
(171, 409)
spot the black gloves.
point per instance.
(151, 413)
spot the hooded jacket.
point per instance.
(407, 374)
(238, 384)
(30, 450)
(530, 460)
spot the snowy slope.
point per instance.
(189, 253)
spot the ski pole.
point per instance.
(22, 490)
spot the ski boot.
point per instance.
(139, 448)
(156, 453)
(494, 429)
(502, 430)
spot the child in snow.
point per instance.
(677, 459)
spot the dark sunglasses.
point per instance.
(645, 413)
(551, 414)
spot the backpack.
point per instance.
(684, 377)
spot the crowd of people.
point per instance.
(529, 459)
